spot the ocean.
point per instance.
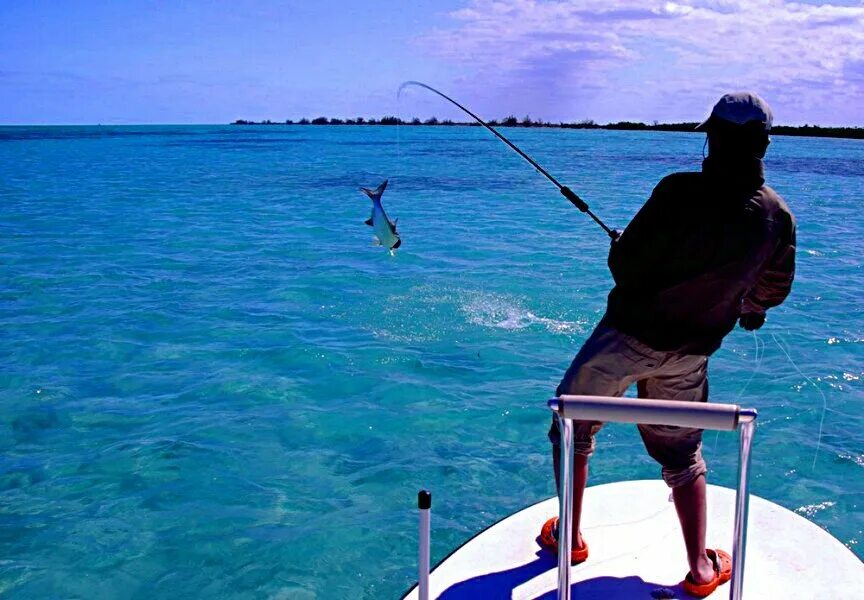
(214, 385)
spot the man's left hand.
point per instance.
(752, 321)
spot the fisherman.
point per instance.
(707, 249)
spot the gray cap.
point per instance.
(740, 108)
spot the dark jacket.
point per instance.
(705, 248)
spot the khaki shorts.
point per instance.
(610, 362)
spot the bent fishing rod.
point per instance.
(565, 191)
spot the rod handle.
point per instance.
(573, 198)
(424, 500)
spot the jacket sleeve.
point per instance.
(775, 282)
(632, 256)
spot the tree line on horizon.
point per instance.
(511, 121)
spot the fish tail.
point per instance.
(377, 192)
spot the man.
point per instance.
(707, 249)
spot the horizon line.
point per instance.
(586, 123)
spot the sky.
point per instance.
(135, 62)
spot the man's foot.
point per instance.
(705, 572)
(549, 540)
(578, 542)
(721, 567)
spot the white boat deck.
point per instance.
(636, 551)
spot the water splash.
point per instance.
(489, 310)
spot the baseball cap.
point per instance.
(740, 108)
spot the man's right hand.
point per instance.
(752, 321)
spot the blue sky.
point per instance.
(212, 62)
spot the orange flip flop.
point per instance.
(550, 542)
(722, 570)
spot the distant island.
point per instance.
(511, 121)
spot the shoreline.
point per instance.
(855, 133)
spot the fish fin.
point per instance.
(377, 192)
(369, 222)
(397, 244)
(376, 242)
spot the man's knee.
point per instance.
(678, 476)
(678, 450)
(584, 433)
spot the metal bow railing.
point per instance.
(723, 417)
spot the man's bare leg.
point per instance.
(580, 479)
(691, 505)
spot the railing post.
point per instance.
(742, 502)
(424, 504)
(565, 509)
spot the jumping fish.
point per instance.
(384, 230)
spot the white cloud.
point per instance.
(657, 59)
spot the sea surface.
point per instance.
(213, 385)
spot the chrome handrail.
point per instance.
(721, 417)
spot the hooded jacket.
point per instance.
(705, 248)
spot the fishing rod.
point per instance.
(565, 191)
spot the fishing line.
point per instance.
(399, 133)
(818, 389)
(565, 191)
(759, 353)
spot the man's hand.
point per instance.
(752, 321)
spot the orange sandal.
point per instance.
(550, 542)
(723, 573)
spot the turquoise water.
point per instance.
(213, 385)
